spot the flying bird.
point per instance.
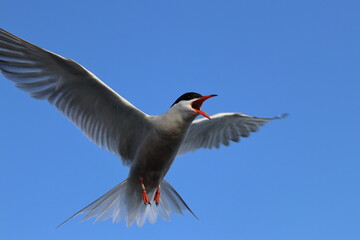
(147, 144)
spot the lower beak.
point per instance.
(196, 105)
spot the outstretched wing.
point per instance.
(220, 130)
(104, 116)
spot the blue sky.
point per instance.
(297, 178)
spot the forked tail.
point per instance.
(124, 203)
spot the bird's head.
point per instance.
(192, 102)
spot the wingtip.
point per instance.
(58, 226)
(284, 115)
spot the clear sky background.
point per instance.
(297, 178)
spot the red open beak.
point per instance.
(196, 105)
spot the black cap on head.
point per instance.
(187, 96)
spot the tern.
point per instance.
(148, 144)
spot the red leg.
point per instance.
(157, 196)
(144, 194)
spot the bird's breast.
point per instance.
(155, 156)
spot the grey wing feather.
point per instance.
(220, 130)
(104, 116)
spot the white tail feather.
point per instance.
(124, 203)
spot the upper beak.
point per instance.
(196, 105)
